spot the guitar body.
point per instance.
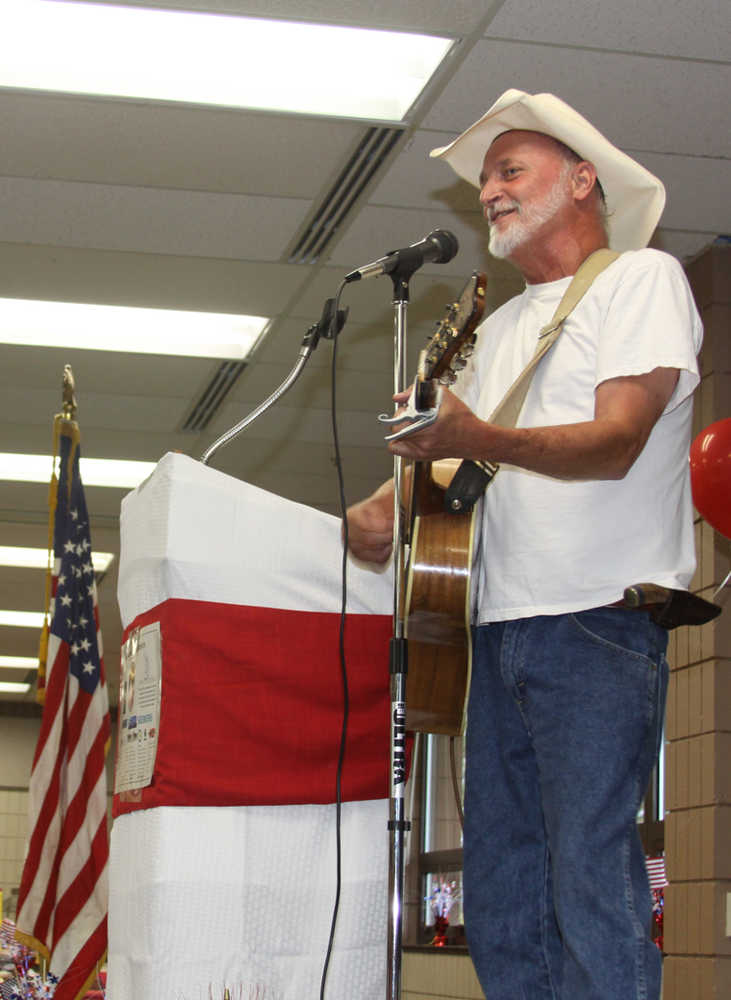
(436, 599)
(437, 610)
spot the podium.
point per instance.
(223, 859)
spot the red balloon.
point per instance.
(710, 475)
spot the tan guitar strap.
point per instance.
(472, 478)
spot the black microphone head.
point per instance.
(446, 243)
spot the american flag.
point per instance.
(62, 905)
(656, 871)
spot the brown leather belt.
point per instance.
(668, 607)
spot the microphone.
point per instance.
(439, 246)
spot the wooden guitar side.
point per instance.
(437, 620)
(435, 602)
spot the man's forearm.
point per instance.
(605, 447)
(590, 450)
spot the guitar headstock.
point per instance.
(453, 341)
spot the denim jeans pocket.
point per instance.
(625, 631)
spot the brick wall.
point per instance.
(698, 784)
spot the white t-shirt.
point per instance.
(550, 546)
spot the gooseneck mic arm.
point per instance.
(328, 327)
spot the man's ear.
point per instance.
(583, 179)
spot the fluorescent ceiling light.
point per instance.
(22, 619)
(11, 687)
(27, 558)
(129, 328)
(18, 662)
(221, 59)
(94, 471)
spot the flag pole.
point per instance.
(66, 416)
(69, 394)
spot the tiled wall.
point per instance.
(13, 836)
(439, 977)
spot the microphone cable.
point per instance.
(333, 332)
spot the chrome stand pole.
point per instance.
(398, 824)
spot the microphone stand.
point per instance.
(398, 825)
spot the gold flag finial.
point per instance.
(69, 395)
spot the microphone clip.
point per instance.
(327, 326)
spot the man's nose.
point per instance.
(489, 192)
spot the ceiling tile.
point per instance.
(148, 220)
(109, 372)
(639, 102)
(71, 274)
(698, 191)
(701, 30)
(135, 144)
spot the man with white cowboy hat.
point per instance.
(592, 495)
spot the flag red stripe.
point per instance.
(77, 975)
(73, 820)
(38, 842)
(76, 811)
(55, 693)
(77, 720)
(73, 899)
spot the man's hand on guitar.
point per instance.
(370, 526)
(447, 437)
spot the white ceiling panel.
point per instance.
(415, 181)
(360, 348)
(698, 191)
(147, 145)
(383, 229)
(150, 220)
(117, 411)
(640, 102)
(29, 502)
(112, 372)
(311, 426)
(71, 274)
(701, 30)
(255, 459)
(313, 389)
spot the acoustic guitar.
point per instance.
(438, 546)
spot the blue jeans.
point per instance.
(564, 726)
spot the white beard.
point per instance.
(528, 218)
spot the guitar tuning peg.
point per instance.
(459, 363)
(447, 378)
(467, 350)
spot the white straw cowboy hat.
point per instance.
(635, 198)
